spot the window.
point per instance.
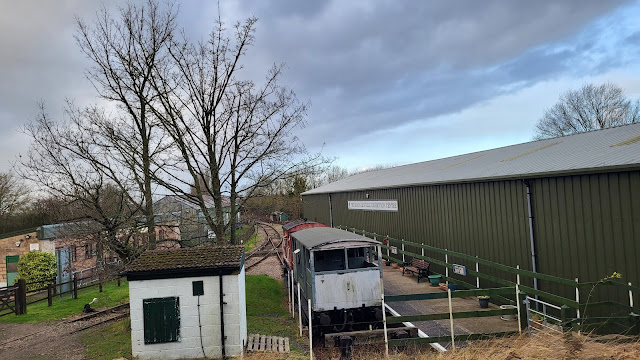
(357, 258)
(87, 251)
(161, 320)
(329, 260)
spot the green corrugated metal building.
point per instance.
(584, 196)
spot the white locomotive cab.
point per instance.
(346, 278)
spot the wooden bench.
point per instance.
(417, 266)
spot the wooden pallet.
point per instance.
(265, 343)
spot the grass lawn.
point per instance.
(111, 295)
(252, 242)
(266, 310)
(111, 342)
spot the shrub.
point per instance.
(38, 268)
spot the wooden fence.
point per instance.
(17, 298)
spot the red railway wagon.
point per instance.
(290, 228)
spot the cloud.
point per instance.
(367, 67)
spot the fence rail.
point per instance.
(396, 251)
(17, 297)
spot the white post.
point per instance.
(518, 304)
(518, 275)
(578, 299)
(446, 269)
(403, 251)
(630, 297)
(453, 340)
(388, 246)
(310, 333)
(422, 249)
(477, 277)
(299, 310)
(384, 313)
(293, 297)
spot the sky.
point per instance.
(389, 82)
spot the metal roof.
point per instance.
(612, 149)
(319, 236)
(291, 225)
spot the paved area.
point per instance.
(396, 284)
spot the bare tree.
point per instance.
(65, 161)
(125, 51)
(235, 134)
(13, 198)
(589, 108)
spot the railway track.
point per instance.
(69, 327)
(270, 246)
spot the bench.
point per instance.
(417, 266)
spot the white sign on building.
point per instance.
(373, 205)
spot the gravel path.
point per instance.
(271, 265)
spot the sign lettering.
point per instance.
(373, 205)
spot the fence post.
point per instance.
(50, 294)
(527, 305)
(422, 249)
(630, 296)
(453, 340)
(446, 269)
(293, 295)
(403, 251)
(518, 304)
(310, 332)
(118, 281)
(100, 285)
(388, 244)
(477, 271)
(299, 310)
(564, 309)
(577, 300)
(75, 286)
(21, 297)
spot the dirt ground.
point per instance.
(46, 342)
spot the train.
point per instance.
(340, 272)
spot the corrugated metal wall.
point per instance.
(588, 226)
(585, 226)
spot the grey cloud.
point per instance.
(366, 66)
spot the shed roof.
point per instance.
(290, 225)
(196, 261)
(613, 149)
(317, 237)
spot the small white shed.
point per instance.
(188, 303)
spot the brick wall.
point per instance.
(8, 248)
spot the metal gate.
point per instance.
(543, 317)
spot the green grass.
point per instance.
(111, 295)
(111, 342)
(266, 310)
(252, 242)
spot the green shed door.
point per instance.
(161, 320)
(12, 269)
